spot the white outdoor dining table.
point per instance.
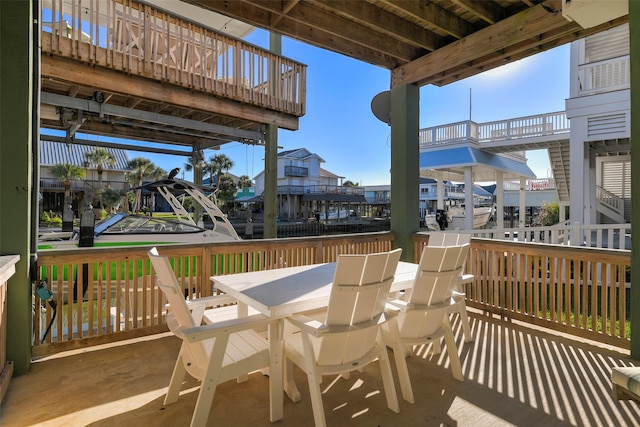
(282, 292)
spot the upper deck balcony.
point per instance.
(123, 54)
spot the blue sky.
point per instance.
(340, 128)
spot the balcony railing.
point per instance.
(532, 185)
(478, 133)
(296, 171)
(138, 39)
(604, 76)
(320, 189)
(48, 184)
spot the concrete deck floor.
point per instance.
(514, 376)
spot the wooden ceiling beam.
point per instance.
(385, 22)
(516, 29)
(135, 133)
(319, 19)
(385, 52)
(553, 39)
(488, 11)
(286, 7)
(156, 91)
(433, 16)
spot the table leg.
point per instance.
(276, 394)
(243, 311)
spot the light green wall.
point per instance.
(15, 171)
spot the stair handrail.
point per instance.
(610, 200)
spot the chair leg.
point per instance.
(314, 379)
(209, 383)
(461, 308)
(452, 351)
(315, 394)
(400, 357)
(175, 384)
(387, 377)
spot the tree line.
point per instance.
(223, 188)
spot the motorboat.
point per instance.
(481, 216)
(124, 229)
(335, 214)
(456, 218)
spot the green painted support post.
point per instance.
(405, 166)
(16, 166)
(634, 48)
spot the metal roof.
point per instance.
(484, 165)
(54, 153)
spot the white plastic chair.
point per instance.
(212, 353)
(349, 338)
(423, 317)
(442, 238)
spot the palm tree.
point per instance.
(245, 182)
(216, 166)
(193, 162)
(226, 189)
(142, 168)
(100, 157)
(66, 173)
(112, 198)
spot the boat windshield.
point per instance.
(123, 223)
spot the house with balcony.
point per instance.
(599, 109)
(589, 144)
(306, 190)
(53, 153)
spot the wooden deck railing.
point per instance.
(575, 290)
(539, 125)
(138, 39)
(109, 294)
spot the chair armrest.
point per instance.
(440, 305)
(226, 327)
(396, 305)
(465, 278)
(199, 305)
(317, 329)
(211, 301)
(307, 324)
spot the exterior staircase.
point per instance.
(610, 205)
(559, 161)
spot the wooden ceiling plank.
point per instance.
(156, 91)
(263, 12)
(489, 12)
(290, 4)
(318, 19)
(553, 39)
(510, 31)
(385, 22)
(434, 16)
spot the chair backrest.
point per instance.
(444, 238)
(360, 290)
(429, 298)
(179, 316)
(361, 286)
